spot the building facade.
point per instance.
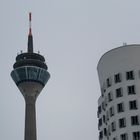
(119, 103)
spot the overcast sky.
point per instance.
(72, 35)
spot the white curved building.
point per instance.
(119, 103)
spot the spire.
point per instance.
(30, 37)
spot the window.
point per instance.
(131, 89)
(100, 135)
(103, 105)
(119, 92)
(115, 138)
(99, 111)
(117, 78)
(107, 115)
(104, 119)
(113, 126)
(100, 122)
(122, 122)
(120, 107)
(130, 75)
(105, 132)
(108, 82)
(111, 111)
(134, 120)
(110, 96)
(133, 105)
(136, 135)
(109, 132)
(124, 136)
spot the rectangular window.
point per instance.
(115, 138)
(123, 136)
(108, 82)
(100, 122)
(120, 107)
(119, 92)
(111, 111)
(113, 126)
(103, 105)
(100, 134)
(131, 89)
(134, 120)
(133, 105)
(104, 119)
(110, 96)
(122, 122)
(130, 75)
(117, 78)
(136, 135)
(109, 131)
(105, 132)
(107, 115)
(99, 111)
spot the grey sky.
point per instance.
(72, 35)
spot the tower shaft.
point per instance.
(30, 119)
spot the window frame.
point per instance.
(131, 89)
(117, 78)
(130, 75)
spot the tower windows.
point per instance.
(124, 136)
(133, 105)
(134, 120)
(131, 89)
(136, 135)
(119, 92)
(120, 107)
(130, 75)
(117, 78)
(122, 122)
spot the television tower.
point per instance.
(30, 75)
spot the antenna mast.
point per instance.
(30, 37)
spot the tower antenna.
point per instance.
(30, 37)
(30, 23)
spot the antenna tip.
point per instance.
(30, 16)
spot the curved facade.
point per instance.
(119, 103)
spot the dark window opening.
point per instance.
(110, 96)
(134, 120)
(122, 122)
(120, 107)
(117, 78)
(131, 89)
(108, 82)
(123, 136)
(133, 105)
(136, 135)
(111, 111)
(119, 92)
(130, 75)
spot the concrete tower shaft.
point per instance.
(30, 75)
